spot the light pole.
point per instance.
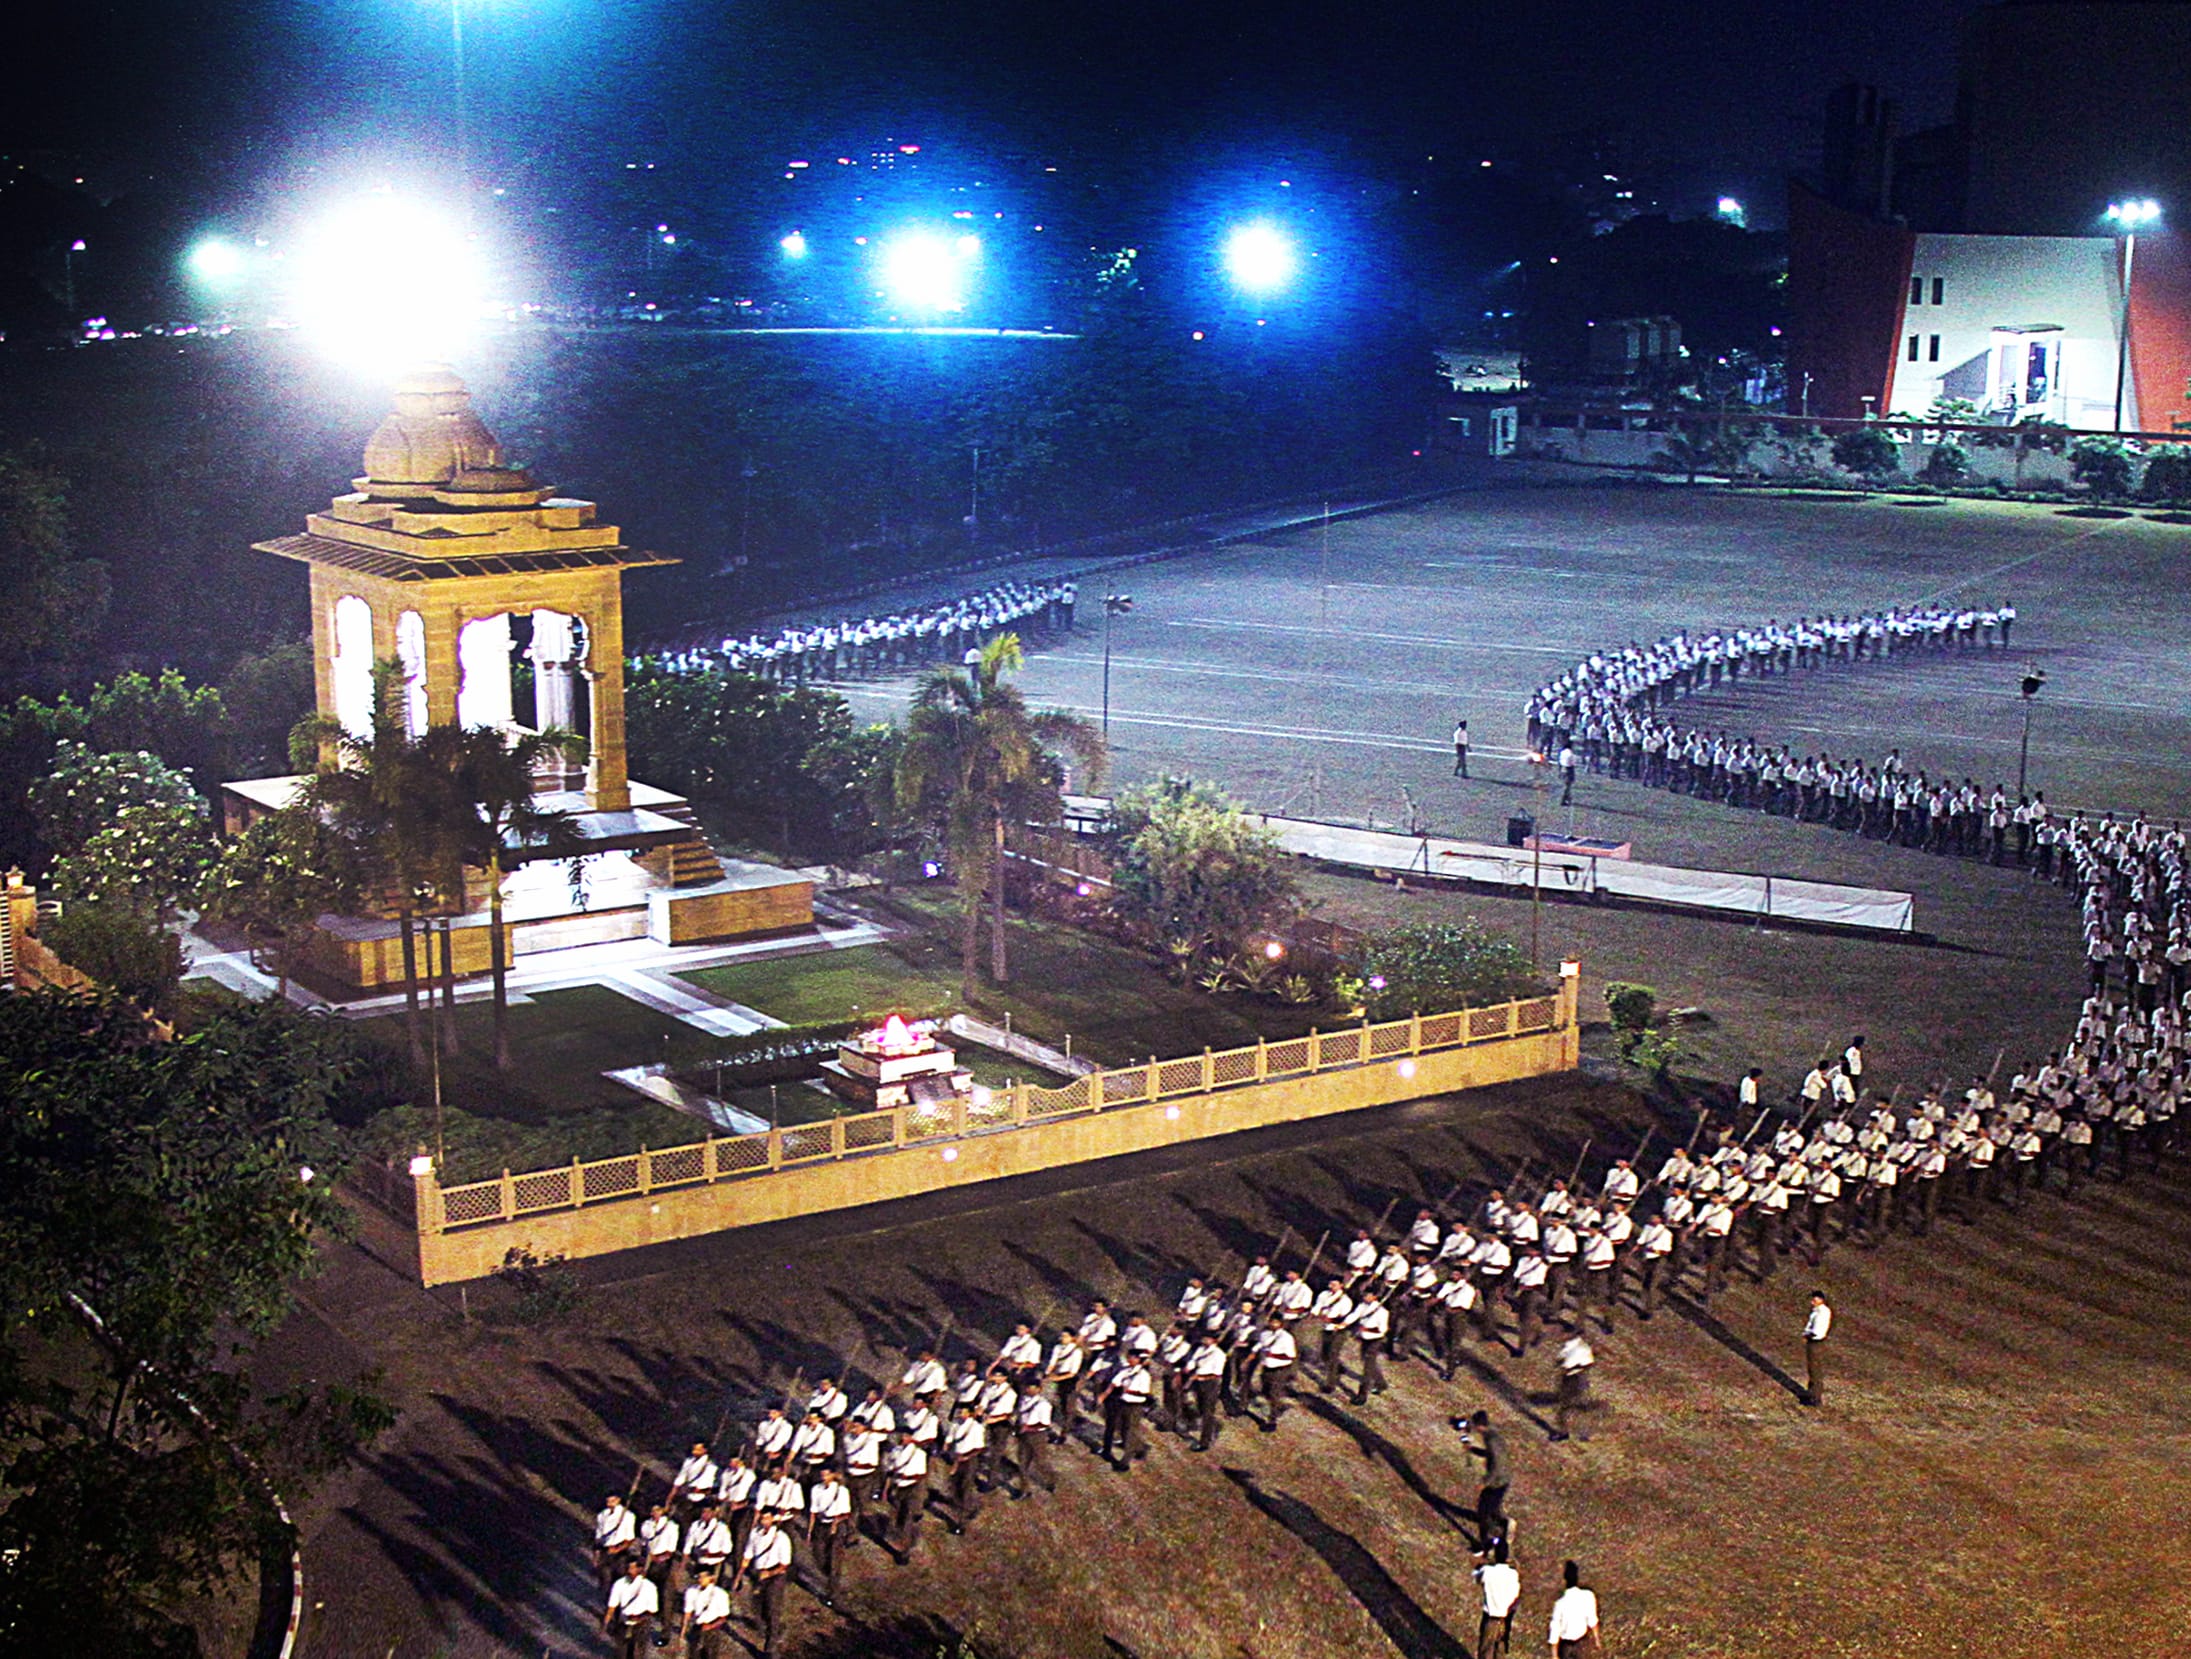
(973, 501)
(2030, 688)
(1114, 604)
(2129, 215)
(463, 118)
(747, 474)
(1540, 764)
(68, 273)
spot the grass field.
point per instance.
(2002, 1455)
(1115, 1004)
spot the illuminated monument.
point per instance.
(453, 565)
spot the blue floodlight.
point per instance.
(2133, 215)
(216, 262)
(794, 246)
(924, 271)
(1260, 258)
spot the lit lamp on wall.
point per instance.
(2130, 217)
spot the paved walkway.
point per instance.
(655, 1082)
(1025, 1048)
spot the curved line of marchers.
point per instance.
(850, 647)
(2111, 1089)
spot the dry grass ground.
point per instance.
(2001, 1467)
(1994, 1472)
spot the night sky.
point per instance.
(234, 98)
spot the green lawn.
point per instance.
(553, 1104)
(1116, 1004)
(824, 986)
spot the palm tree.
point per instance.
(975, 759)
(380, 794)
(496, 816)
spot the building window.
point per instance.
(1914, 340)
(1917, 290)
(1939, 288)
(1932, 351)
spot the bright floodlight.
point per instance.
(216, 262)
(794, 246)
(382, 281)
(1731, 209)
(1260, 259)
(2133, 215)
(923, 271)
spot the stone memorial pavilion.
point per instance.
(479, 584)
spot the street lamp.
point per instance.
(1260, 258)
(216, 262)
(382, 279)
(1114, 604)
(2029, 686)
(459, 114)
(68, 271)
(2130, 215)
(924, 272)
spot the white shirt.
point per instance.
(697, 1472)
(924, 1377)
(1574, 1615)
(613, 1527)
(707, 1604)
(768, 1550)
(1818, 1324)
(783, 1495)
(634, 1597)
(1502, 1588)
(710, 1541)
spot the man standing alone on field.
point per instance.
(1502, 1588)
(1815, 1327)
(1460, 750)
(1489, 1444)
(1574, 1633)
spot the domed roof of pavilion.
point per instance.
(434, 436)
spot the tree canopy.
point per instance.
(1194, 872)
(157, 1201)
(1431, 967)
(975, 759)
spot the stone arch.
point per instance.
(353, 665)
(411, 657)
(483, 672)
(554, 654)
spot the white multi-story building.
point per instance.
(2024, 327)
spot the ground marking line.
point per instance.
(1987, 575)
(1446, 641)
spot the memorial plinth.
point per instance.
(896, 1064)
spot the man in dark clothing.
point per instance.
(1489, 1444)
